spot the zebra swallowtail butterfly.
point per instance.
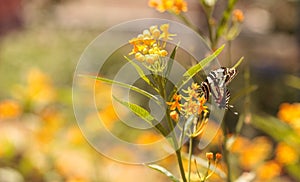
(216, 83)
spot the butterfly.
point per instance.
(216, 83)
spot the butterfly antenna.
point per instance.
(231, 108)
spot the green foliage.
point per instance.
(163, 171)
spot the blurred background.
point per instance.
(40, 44)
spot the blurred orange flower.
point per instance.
(252, 154)
(175, 6)
(286, 154)
(148, 137)
(238, 15)
(290, 113)
(268, 170)
(38, 89)
(9, 109)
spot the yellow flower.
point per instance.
(175, 6)
(285, 154)
(9, 109)
(149, 47)
(166, 35)
(38, 88)
(268, 170)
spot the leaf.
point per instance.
(143, 114)
(141, 73)
(170, 61)
(163, 171)
(196, 68)
(124, 85)
(138, 110)
(292, 81)
(277, 129)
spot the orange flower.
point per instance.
(175, 104)
(174, 115)
(285, 154)
(218, 156)
(202, 107)
(290, 113)
(209, 155)
(238, 16)
(9, 109)
(175, 6)
(268, 170)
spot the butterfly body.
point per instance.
(215, 84)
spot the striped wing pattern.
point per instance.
(215, 84)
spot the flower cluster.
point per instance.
(193, 103)
(290, 114)
(149, 47)
(174, 6)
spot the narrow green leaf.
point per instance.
(277, 129)
(141, 73)
(170, 61)
(196, 68)
(292, 81)
(143, 114)
(138, 110)
(238, 62)
(124, 85)
(163, 171)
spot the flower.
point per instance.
(268, 170)
(238, 16)
(209, 3)
(174, 6)
(174, 115)
(218, 156)
(175, 104)
(149, 47)
(290, 114)
(194, 104)
(209, 156)
(202, 107)
(285, 154)
(9, 109)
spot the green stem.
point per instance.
(190, 158)
(224, 21)
(189, 24)
(179, 159)
(226, 152)
(229, 52)
(162, 91)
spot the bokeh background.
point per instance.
(40, 44)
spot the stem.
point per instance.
(226, 153)
(162, 91)
(224, 20)
(179, 159)
(190, 158)
(229, 52)
(189, 24)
